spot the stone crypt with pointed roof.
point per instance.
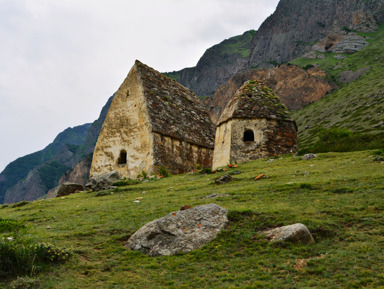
(254, 124)
(153, 122)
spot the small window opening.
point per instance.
(122, 158)
(249, 136)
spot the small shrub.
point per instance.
(198, 167)
(206, 171)
(19, 204)
(126, 183)
(25, 283)
(164, 172)
(306, 186)
(4, 206)
(21, 255)
(144, 174)
(103, 193)
(9, 225)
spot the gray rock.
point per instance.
(180, 232)
(308, 157)
(350, 44)
(223, 180)
(297, 233)
(66, 189)
(378, 159)
(349, 76)
(213, 196)
(103, 182)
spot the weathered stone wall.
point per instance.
(221, 156)
(179, 156)
(126, 127)
(271, 137)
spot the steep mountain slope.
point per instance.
(288, 33)
(57, 155)
(217, 65)
(30, 177)
(359, 103)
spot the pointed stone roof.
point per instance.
(254, 100)
(174, 110)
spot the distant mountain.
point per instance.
(30, 177)
(287, 34)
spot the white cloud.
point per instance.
(61, 60)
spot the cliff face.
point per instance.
(290, 32)
(297, 24)
(294, 86)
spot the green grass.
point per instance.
(339, 196)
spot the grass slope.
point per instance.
(359, 105)
(339, 196)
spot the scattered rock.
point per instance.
(378, 159)
(349, 76)
(297, 233)
(308, 157)
(103, 182)
(380, 124)
(235, 173)
(66, 189)
(223, 180)
(185, 207)
(270, 160)
(49, 227)
(213, 196)
(340, 57)
(144, 192)
(180, 232)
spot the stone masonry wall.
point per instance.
(271, 137)
(126, 127)
(178, 156)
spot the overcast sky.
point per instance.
(60, 60)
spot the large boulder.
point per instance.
(180, 232)
(103, 182)
(66, 189)
(297, 233)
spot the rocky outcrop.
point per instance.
(68, 189)
(180, 232)
(296, 24)
(297, 233)
(294, 86)
(349, 76)
(103, 182)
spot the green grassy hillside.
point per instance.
(339, 196)
(359, 105)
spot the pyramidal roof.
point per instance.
(254, 100)
(174, 110)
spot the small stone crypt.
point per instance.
(254, 124)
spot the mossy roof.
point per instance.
(174, 110)
(256, 101)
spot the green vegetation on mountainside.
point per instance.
(339, 196)
(237, 46)
(19, 169)
(359, 105)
